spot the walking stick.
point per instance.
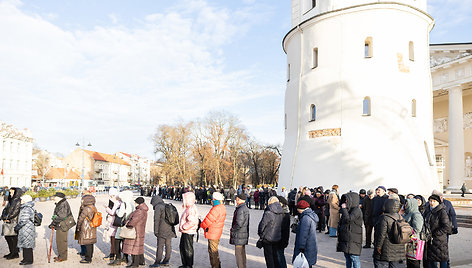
(50, 245)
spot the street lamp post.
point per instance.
(83, 159)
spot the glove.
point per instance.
(302, 250)
(454, 231)
(16, 228)
(259, 243)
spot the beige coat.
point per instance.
(333, 202)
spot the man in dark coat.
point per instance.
(386, 253)
(270, 231)
(10, 219)
(285, 232)
(350, 229)
(239, 232)
(436, 218)
(367, 208)
(291, 201)
(163, 231)
(378, 204)
(62, 221)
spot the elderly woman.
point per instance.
(86, 233)
(26, 230)
(270, 231)
(333, 221)
(305, 240)
(135, 247)
(111, 208)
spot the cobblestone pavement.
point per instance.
(327, 257)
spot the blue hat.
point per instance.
(382, 187)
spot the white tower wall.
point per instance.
(386, 148)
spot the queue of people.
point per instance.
(393, 219)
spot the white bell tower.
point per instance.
(358, 103)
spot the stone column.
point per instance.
(456, 139)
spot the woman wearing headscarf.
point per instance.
(124, 211)
(415, 219)
(305, 240)
(135, 247)
(188, 226)
(26, 229)
(10, 219)
(110, 230)
(86, 233)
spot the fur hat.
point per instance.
(435, 197)
(26, 198)
(436, 192)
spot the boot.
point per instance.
(110, 257)
(116, 262)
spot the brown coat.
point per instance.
(333, 202)
(87, 234)
(137, 219)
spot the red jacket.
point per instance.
(214, 222)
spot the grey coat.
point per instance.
(239, 233)
(161, 228)
(27, 231)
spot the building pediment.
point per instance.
(444, 53)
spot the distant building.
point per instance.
(15, 156)
(63, 177)
(140, 168)
(451, 72)
(100, 168)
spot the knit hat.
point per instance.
(436, 192)
(381, 187)
(26, 198)
(139, 200)
(435, 197)
(362, 191)
(242, 196)
(370, 191)
(113, 191)
(218, 196)
(59, 194)
(303, 204)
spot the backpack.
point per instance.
(172, 216)
(401, 231)
(96, 220)
(37, 218)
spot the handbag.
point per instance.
(415, 248)
(120, 221)
(67, 223)
(8, 229)
(128, 233)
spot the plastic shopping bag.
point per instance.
(300, 261)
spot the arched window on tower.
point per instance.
(411, 49)
(368, 47)
(366, 107)
(312, 112)
(315, 57)
(413, 108)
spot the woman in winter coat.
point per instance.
(26, 229)
(415, 219)
(350, 229)
(124, 211)
(135, 247)
(188, 226)
(318, 206)
(421, 203)
(110, 229)
(436, 218)
(285, 232)
(305, 240)
(333, 202)
(10, 219)
(86, 233)
(387, 253)
(270, 231)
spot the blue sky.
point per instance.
(112, 71)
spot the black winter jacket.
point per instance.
(61, 212)
(350, 226)
(377, 208)
(285, 230)
(439, 224)
(239, 233)
(367, 211)
(383, 234)
(270, 226)
(12, 210)
(161, 228)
